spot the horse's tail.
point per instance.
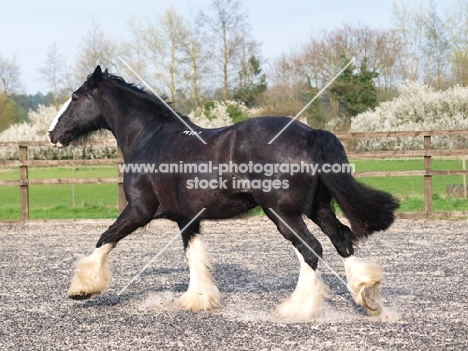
(367, 209)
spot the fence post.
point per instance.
(122, 202)
(464, 179)
(428, 175)
(24, 187)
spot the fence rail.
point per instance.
(24, 182)
(427, 153)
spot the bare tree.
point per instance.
(95, 49)
(53, 72)
(435, 49)
(165, 40)
(408, 32)
(287, 86)
(197, 59)
(457, 23)
(227, 21)
(322, 57)
(10, 82)
(134, 49)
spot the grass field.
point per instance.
(410, 190)
(62, 201)
(100, 200)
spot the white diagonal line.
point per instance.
(311, 101)
(162, 100)
(312, 250)
(160, 252)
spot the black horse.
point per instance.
(235, 171)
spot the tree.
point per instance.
(197, 56)
(435, 49)
(316, 119)
(252, 83)
(314, 64)
(230, 30)
(408, 36)
(457, 24)
(29, 102)
(10, 82)
(355, 91)
(95, 49)
(286, 87)
(134, 49)
(7, 112)
(53, 73)
(165, 40)
(10, 112)
(10, 85)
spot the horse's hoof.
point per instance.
(200, 301)
(79, 297)
(372, 299)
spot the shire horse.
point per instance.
(149, 133)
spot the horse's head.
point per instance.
(81, 114)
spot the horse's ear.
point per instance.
(106, 72)
(96, 77)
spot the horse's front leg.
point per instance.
(93, 275)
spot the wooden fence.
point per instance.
(24, 182)
(427, 153)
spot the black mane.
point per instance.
(141, 92)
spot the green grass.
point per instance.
(100, 200)
(61, 201)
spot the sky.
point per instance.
(29, 28)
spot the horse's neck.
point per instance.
(133, 125)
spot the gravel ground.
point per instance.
(425, 291)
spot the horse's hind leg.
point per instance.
(306, 301)
(202, 293)
(363, 277)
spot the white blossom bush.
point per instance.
(220, 114)
(36, 130)
(417, 107)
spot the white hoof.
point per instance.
(202, 300)
(92, 275)
(364, 280)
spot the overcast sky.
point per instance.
(28, 28)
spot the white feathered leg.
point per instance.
(364, 280)
(92, 275)
(306, 301)
(202, 293)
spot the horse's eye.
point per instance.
(74, 97)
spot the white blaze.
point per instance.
(62, 110)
